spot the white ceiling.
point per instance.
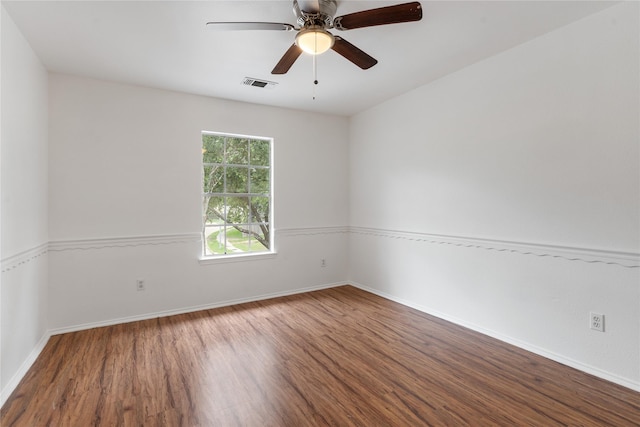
(165, 44)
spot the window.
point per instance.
(236, 197)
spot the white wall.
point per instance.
(538, 147)
(125, 163)
(23, 166)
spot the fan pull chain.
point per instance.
(315, 76)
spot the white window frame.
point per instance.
(238, 256)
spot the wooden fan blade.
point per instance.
(287, 60)
(243, 26)
(406, 12)
(353, 54)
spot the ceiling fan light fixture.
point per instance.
(315, 40)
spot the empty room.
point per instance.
(320, 212)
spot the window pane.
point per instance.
(259, 181)
(237, 151)
(215, 210)
(212, 149)
(214, 240)
(258, 247)
(260, 153)
(247, 239)
(260, 209)
(238, 210)
(260, 243)
(238, 241)
(213, 177)
(237, 179)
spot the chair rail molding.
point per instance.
(587, 255)
(120, 242)
(24, 257)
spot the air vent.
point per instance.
(264, 84)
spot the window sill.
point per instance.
(236, 258)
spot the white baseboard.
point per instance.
(23, 369)
(173, 312)
(509, 340)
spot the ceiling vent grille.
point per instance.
(264, 84)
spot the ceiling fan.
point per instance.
(316, 17)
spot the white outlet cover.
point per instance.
(596, 321)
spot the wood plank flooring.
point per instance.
(336, 357)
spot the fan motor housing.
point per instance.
(307, 15)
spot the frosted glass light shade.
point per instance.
(314, 40)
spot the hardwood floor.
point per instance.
(336, 357)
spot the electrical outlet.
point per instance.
(140, 285)
(596, 321)
(323, 263)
